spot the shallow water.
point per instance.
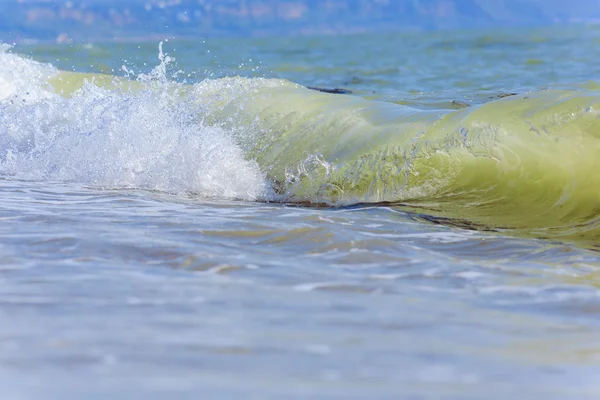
(138, 293)
(122, 274)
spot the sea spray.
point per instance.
(150, 138)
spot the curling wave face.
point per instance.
(525, 163)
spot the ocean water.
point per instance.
(187, 219)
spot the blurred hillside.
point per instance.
(85, 20)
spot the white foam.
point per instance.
(22, 80)
(151, 139)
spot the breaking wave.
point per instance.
(524, 163)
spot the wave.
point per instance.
(526, 163)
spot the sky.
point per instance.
(87, 20)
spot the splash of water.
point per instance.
(150, 139)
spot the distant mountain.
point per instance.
(93, 20)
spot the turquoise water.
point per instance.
(189, 244)
(417, 68)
